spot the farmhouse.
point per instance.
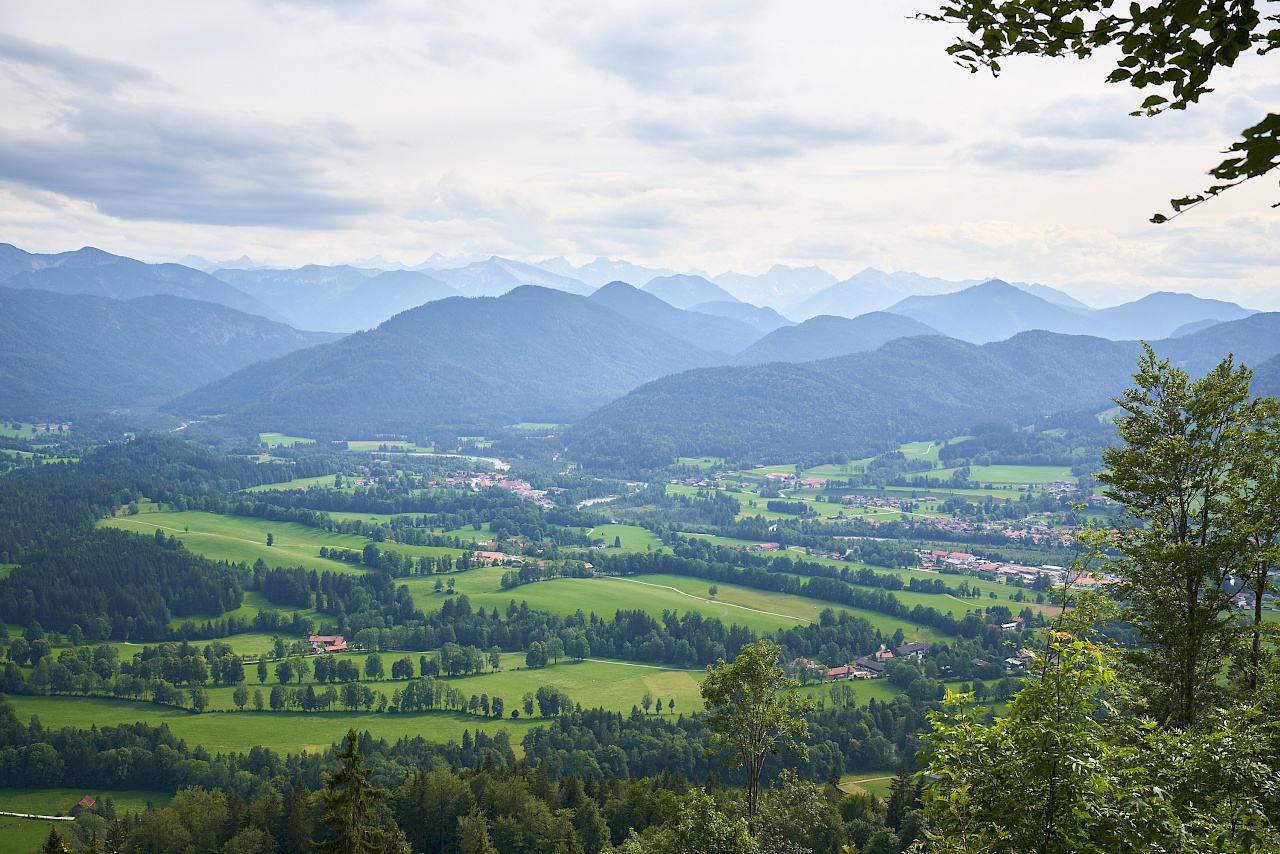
(327, 643)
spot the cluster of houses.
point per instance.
(1033, 529)
(866, 667)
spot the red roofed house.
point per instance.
(327, 643)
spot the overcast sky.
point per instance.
(712, 135)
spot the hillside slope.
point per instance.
(824, 337)
(71, 353)
(532, 354)
(705, 331)
(908, 388)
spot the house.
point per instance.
(912, 649)
(327, 643)
(841, 672)
(870, 665)
(85, 803)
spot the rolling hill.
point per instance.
(761, 317)
(704, 331)
(823, 337)
(996, 310)
(64, 354)
(533, 354)
(908, 388)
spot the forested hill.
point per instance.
(824, 337)
(65, 354)
(533, 354)
(862, 403)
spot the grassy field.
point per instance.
(634, 538)
(326, 480)
(243, 539)
(25, 834)
(274, 440)
(285, 732)
(60, 801)
(704, 463)
(876, 783)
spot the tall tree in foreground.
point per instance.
(1256, 504)
(349, 804)
(1181, 539)
(754, 711)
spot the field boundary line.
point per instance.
(40, 817)
(709, 601)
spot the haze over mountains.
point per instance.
(497, 341)
(71, 354)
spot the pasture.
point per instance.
(633, 537)
(325, 480)
(275, 440)
(284, 732)
(241, 539)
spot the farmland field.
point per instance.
(273, 440)
(634, 538)
(242, 539)
(285, 732)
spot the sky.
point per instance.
(710, 135)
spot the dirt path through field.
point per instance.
(725, 605)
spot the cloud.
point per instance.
(766, 134)
(1090, 119)
(1038, 156)
(84, 73)
(83, 136)
(664, 46)
(163, 163)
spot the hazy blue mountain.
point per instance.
(1266, 378)
(533, 354)
(1052, 295)
(685, 291)
(602, 271)
(866, 291)
(907, 389)
(780, 286)
(340, 298)
(74, 353)
(994, 311)
(1252, 340)
(92, 271)
(495, 276)
(1160, 314)
(1193, 326)
(706, 331)
(823, 337)
(761, 317)
(858, 404)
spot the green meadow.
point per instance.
(633, 537)
(60, 801)
(284, 732)
(274, 440)
(325, 480)
(243, 539)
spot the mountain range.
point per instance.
(910, 387)
(532, 354)
(70, 354)
(635, 365)
(92, 271)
